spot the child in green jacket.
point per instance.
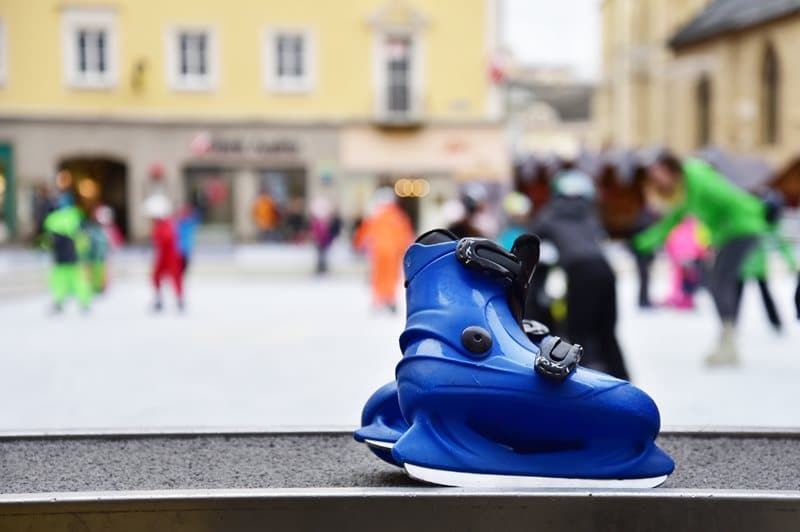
(67, 240)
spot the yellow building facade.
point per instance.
(226, 99)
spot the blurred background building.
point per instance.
(216, 104)
(690, 74)
(550, 110)
(632, 103)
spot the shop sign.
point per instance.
(204, 144)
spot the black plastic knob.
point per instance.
(476, 340)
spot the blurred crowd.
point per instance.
(715, 235)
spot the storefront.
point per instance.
(426, 167)
(96, 181)
(226, 171)
(220, 168)
(7, 195)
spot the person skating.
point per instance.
(755, 268)
(735, 220)
(473, 219)
(266, 216)
(97, 253)
(385, 235)
(186, 225)
(517, 207)
(63, 230)
(686, 247)
(166, 259)
(325, 225)
(569, 221)
(644, 261)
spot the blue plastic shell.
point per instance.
(492, 413)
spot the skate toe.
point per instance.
(630, 412)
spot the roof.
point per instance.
(725, 16)
(571, 101)
(749, 173)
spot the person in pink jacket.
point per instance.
(686, 247)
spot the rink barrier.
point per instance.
(388, 509)
(677, 430)
(407, 508)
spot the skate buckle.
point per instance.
(557, 358)
(535, 330)
(485, 255)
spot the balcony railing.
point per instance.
(399, 110)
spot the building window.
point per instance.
(398, 76)
(89, 46)
(191, 59)
(770, 90)
(92, 52)
(193, 54)
(703, 111)
(289, 60)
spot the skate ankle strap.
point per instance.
(484, 255)
(557, 358)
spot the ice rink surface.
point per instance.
(291, 351)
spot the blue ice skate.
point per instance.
(382, 423)
(490, 409)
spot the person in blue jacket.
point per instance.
(186, 224)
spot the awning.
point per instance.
(475, 153)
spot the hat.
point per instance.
(516, 204)
(157, 206)
(574, 183)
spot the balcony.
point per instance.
(399, 109)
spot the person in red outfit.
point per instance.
(167, 259)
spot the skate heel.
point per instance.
(382, 423)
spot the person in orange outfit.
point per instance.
(385, 235)
(265, 215)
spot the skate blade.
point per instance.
(379, 444)
(482, 480)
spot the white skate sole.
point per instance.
(482, 480)
(379, 444)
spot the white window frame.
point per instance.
(269, 50)
(75, 19)
(192, 83)
(380, 81)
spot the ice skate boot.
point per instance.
(382, 423)
(487, 408)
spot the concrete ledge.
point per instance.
(724, 481)
(403, 510)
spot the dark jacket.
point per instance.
(571, 224)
